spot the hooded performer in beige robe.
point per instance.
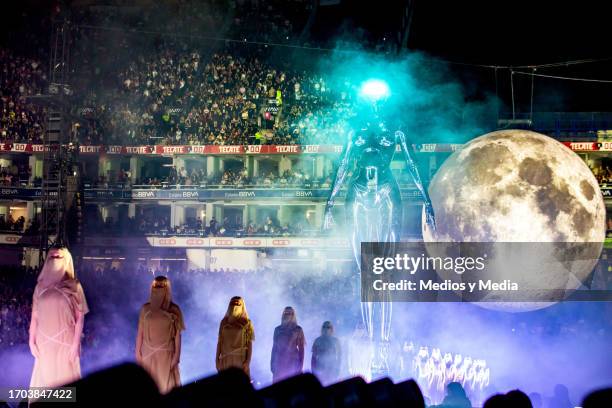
(158, 343)
(58, 314)
(236, 336)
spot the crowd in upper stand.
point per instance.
(178, 98)
(20, 120)
(16, 289)
(15, 174)
(181, 98)
(602, 171)
(235, 178)
(178, 90)
(158, 223)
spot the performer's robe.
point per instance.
(327, 354)
(57, 307)
(233, 346)
(159, 329)
(287, 351)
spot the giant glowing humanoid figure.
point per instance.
(373, 201)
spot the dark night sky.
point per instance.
(508, 33)
(512, 32)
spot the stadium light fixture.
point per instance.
(374, 90)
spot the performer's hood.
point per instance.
(327, 328)
(58, 266)
(289, 317)
(237, 313)
(237, 309)
(161, 293)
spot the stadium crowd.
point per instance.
(181, 95)
(179, 98)
(156, 224)
(16, 289)
(237, 178)
(14, 175)
(205, 80)
(20, 120)
(19, 225)
(602, 172)
(230, 178)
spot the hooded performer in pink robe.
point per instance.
(158, 343)
(58, 314)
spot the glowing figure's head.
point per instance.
(374, 90)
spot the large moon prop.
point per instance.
(520, 186)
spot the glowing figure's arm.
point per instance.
(338, 181)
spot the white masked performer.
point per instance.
(58, 314)
(449, 375)
(158, 343)
(463, 375)
(422, 369)
(456, 368)
(437, 376)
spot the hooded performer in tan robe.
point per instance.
(58, 314)
(158, 343)
(236, 336)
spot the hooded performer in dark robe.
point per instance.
(288, 347)
(158, 343)
(58, 314)
(236, 336)
(326, 355)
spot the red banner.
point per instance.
(582, 146)
(257, 149)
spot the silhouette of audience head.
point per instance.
(455, 396)
(496, 401)
(599, 398)
(512, 399)
(518, 399)
(455, 389)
